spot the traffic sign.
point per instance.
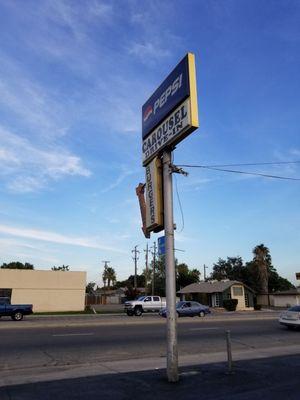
(161, 246)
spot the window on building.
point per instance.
(237, 290)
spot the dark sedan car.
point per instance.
(188, 309)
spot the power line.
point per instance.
(240, 172)
(239, 165)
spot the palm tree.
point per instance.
(109, 275)
(262, 259)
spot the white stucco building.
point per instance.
(46, 290)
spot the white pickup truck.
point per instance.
(144, 304)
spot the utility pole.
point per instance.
(172, 350)
(205, 268)
(135, 258)
(154, 266)
(147, 266)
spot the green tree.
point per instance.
(61, 268)
(186, 276)
(109, 276)
(232, 268)
(256, 273)
(90, 287)
(262, 261)
(17, 265)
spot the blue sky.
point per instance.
(73, 78)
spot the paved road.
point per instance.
(78, 358)
(66, 343)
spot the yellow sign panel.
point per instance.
(154, 196)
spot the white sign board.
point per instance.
(170, 130)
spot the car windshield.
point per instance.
(141, 298)
(180, 304)
(295, 308)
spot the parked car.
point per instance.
(188, 309)
(291, 317)
(15, 311)
(144, 304)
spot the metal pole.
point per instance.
(229, 353)
(147, 269)
(153, 272)
(135, 251)
(172, 350)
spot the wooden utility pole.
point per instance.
(154, 265)
(135, 258)
(146, 267)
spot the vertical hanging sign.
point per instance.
(154, 196)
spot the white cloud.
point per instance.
(90, 242)
(123, 175)
(148, 49)
(29, 167)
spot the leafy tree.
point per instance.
(256, 273)
(90, 287)
(17, 265)
(109, 276)
(185, 276)
(61, 268)
(232, 269)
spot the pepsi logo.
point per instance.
(148, 112)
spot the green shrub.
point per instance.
(230, 304)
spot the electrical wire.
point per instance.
(180, 205)
(218, 168)
(238, 165)
(254, 173)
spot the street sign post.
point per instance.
(161, 245)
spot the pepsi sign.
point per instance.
(171, 113)
(174, 90)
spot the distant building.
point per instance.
(212, 293)
(285, 298)
(46, 290)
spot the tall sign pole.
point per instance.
(168, 116)
(172, 350)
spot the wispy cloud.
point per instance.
(28, 167)
(41, 235)
(123, 175)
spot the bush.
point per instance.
(257, 307)
(230, 304)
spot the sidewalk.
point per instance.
(274, 378)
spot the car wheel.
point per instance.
(290, 327)
(138, 311)
(178, 315)
(17, 316)
(129, 313)
(201, 314)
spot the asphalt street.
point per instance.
(123, 338)
(79, 357)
